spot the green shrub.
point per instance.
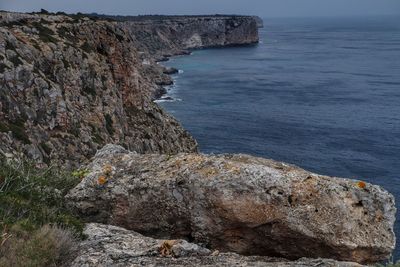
(87, 47)
(65, 33)
(45, 33)
(109, 124)
(32, 197)
(17, 130)
(36, 228)
(89, 90)
(3, 127)
(46, 148)
(10, 46)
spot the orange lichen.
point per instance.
(361, 184)
(102, 180)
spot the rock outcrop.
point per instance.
(114, 246)
(71, 84)
(238, 203)
(175, 35)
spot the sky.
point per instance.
(264, 8)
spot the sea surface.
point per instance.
(321, 93)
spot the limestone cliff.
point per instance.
(173, 35)
(69, 84)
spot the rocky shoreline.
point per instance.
(72, 84)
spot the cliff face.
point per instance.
(165, 36)
(70, 85)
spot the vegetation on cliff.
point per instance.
(36, 229)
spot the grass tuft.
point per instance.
(36, 228)
(47, 246)
(31, 197)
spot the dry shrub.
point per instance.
(48, 246)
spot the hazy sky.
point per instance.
(266, 8)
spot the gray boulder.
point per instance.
(114, 246)
(238, 203)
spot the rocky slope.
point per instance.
(69, 85)
(114, 246)
(238, 203)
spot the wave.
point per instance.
(167, 98)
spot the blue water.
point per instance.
(323, 94)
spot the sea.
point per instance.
(320, 93)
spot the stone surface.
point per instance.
(238, 203)
(174, 35)
(114, 246)
(71, 84)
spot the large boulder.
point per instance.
(114, 246)
(238, 203)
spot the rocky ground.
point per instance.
(114, 246)
(238, 203)
(69, 85)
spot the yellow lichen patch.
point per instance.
(102, 180)
(195, 159)
(107, 169)
(361, 184)
(81, 174)
(166, 248)
(231, 167)
(208, 171)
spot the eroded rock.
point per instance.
(238, 203)
(70, 85)
(114, 246)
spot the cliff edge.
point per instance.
(71, 84)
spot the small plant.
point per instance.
(10, 46)
(45, 33)
(97, 138)
(65, 33)
(87, 47)
(46, 148)
(89, 90)
(47, 246)
(32, 197)
(109, 124)
(17, 130)
(80, 174)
